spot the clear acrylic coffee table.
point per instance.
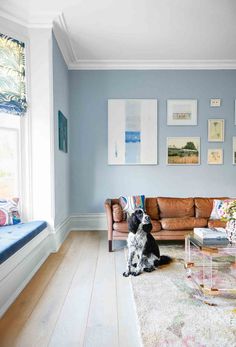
(212, 268)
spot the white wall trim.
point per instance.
(59, 234)
(153, 65)
(63, 38)
(9, 16)
(88, 221)
(34, 20)
(42, 20)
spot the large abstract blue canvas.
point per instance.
(132, 131)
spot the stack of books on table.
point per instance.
(215, 236)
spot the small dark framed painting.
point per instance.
(62, 132)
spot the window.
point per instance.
(9, 157)
(13, 104)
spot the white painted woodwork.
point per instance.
(136, 33)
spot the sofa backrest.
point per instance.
(175, 207)
(152, 208)
(168, 207)
(204, 206)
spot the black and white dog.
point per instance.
(143, 251)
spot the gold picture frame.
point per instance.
(183, 151)
(216, 130)
(215, 156)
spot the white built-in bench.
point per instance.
(23, 249)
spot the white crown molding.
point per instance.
(153, 65)
(13, 18)
(62, 35)
(42, 20)
(34, 20)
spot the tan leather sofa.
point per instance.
(172, 218)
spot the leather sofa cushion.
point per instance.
(183, 223)
(152, 208)
(123, 226)
(176, 207)
(216, 223)
(117, 213)
(203, 206)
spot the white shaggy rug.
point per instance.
(172, 313)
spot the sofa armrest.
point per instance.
(108, 210)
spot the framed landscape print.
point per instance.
(182, 112)
(132, 132)
(183, 150)
(216, 130)
(234, 150)
(62, 132)
(215, 156)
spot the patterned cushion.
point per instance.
(130, 203)
(215, 210)
(9, 213)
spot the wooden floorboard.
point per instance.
(77, 298)
(127, 320)
(71, 325)
(102, 325)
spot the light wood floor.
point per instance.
(77, 298)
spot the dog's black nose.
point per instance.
(147, 218)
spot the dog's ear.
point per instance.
(147, 227)
(133, 223)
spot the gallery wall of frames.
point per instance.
(133, 140)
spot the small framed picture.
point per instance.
(182, 112)
(62, 132)
(216, 130)
(183, 150)
(215, 156)
(215, 102)
(234, 150)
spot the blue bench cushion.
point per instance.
(14, 237)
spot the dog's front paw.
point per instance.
(126, 274)
(149, 269)
(136, 273)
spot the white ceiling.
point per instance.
(136, 31)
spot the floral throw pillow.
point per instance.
(9, 212)
(130, 203)
(215, 213)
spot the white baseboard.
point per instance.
(59, 234)
(88, 221)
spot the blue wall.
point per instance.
(61, 163)
(92, 180)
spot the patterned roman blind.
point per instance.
(12, 76)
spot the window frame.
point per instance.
(17, 129)
(25, 138)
